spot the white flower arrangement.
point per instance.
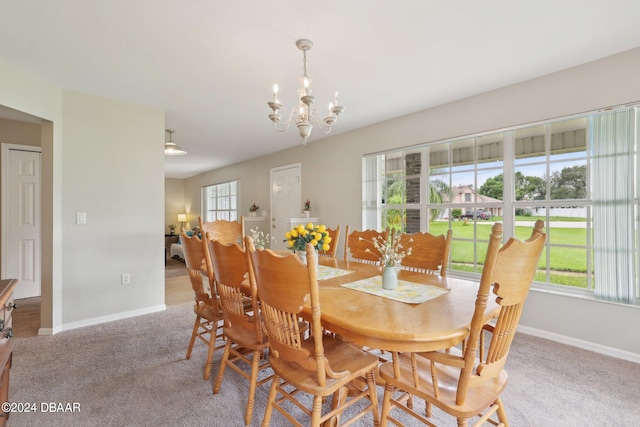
(391, 250)
(260, 239)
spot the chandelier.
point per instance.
(170, 147)
(303, 115)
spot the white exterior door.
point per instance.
(286, 187)
(21, 218)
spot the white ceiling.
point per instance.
(211, 64)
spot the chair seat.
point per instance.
(246, 337)
(342, 356)
(478, 398)
(207, 311)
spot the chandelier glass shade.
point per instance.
(303, 115)
(170, 147)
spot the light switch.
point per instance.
(81, 218)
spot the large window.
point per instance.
(220, 201)
(545, 171)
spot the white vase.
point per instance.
(389, 278)
(303, 256)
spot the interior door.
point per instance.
(21, 218)
(286, 187)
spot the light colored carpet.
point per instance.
(132, 372)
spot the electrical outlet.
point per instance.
(125, 279)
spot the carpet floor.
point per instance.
(132, 372)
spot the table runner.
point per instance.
(325, 272)
(408, 292)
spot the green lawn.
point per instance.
(568, 266)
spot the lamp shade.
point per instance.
(182, 217)
(170, 147)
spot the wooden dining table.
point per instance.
(378, 322)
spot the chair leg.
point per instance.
(223, 365)
(316, 412)
(502, 415)
(373, 397)
(193, 337)
(255, 366)
(386, 404)
(212, 347)
(266, 420)
(463, 422)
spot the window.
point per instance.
(220, 201)
(546, 171)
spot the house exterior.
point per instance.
(465, 194)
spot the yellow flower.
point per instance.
(300, 228)
(325, 247)
(290, 243)
(294, 233)
(304, 232)
(310, 226)
(287, 235)
(314, 243)
(322, 228)
(327, 240)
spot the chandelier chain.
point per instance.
(304, 63)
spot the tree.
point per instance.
(527, 187)
(569, 183)
(493, 187)
(439, 192)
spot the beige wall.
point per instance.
(334, 185)
(22, 133)
(114, 172)
(174, 204)
(91, 162)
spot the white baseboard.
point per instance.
(103, 319)
(586, 345)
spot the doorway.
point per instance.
(286, 189)
(21, 234)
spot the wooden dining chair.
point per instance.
(206, 325)
(358, 245)
(334, 233)
(429, 253)
(318, 365)
(223, 231)
(468, 383)
(242, 328)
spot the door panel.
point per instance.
(22, 223)
(286, 187)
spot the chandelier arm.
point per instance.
(317, 120)
(293, 116)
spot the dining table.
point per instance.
(435, 314)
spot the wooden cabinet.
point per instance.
(6, 339)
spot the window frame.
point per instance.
(231, 213)
(509, 202)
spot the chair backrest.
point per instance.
(508, 270)
(231, 269)
(429, 253)
(334, 233)
(358, 245)
(285, 285)
(223, 231)
(193, 255)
